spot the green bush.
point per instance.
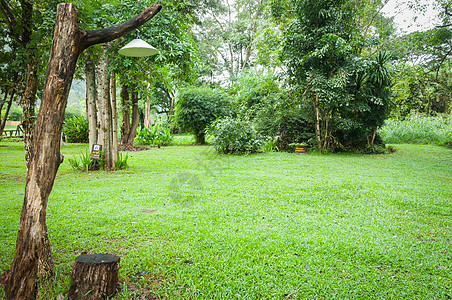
(83, 162)
(418, 130)
(234, 136)
(76, 130)
(197, 107)
(158, 134)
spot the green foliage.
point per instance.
(83, 162)
(15, 113)
(76, 130)
(234, 136)
(270, 146)
(419, 130)
(294, 126)
(158, 134)
(121, 163)
(197, 107)
(348, 95)
(418, 90)
(74, 162)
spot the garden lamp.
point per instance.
(138, 48)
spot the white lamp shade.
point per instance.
(138, 48)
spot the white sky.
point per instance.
(407, 20)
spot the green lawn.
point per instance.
(263, 226)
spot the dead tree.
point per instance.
(69, 41)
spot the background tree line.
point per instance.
(326, 73)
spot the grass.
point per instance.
(263, 226)
(419, 130)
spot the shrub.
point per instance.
(121, 163)
(234, 136)
(83, 162)
(419, 130)
(158, 134)
(76, 130)
(197, 107)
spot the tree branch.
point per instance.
(99, 36)
(441, 62)
(443, 26)
(9, 19)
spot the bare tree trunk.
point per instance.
(104, 98)
(135, 118)
(326, 142)
(8, 107)
(147, 110)
(19, 282)
(91, 96)
(28, 103)
(317, 122)
(125, 128)
(114, 118)
(374, 134)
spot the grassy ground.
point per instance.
(419, 130)
(271, 226)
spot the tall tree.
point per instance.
(69, 42)
(26, 26)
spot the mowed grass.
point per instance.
(190, 224)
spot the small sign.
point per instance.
(95, 153)
(301, 149)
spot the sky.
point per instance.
(408, 20)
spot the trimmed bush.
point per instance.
(76, 130)
(234, 136)
(197, 107)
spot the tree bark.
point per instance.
(147, 110)
(20, 282)
(317, 123)
(91, 97)
(125, 128)
(8, 107)
(28, 103)
(106, 119)
(114, 118)
(69, 41)
(135, 118)
(94, 276)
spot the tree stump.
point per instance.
(94, 276)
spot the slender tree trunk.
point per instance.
(104, 98)
(8, 107)
(135, 119)
(317, 122)
(28, 103)
(19, 282)
(147, 114)
(114, 118)
(91, 97)
(326, 133)
(374, 134)
(125, 128)
(147, 110)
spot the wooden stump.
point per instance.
(94, 276)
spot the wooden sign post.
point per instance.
(95, 152)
